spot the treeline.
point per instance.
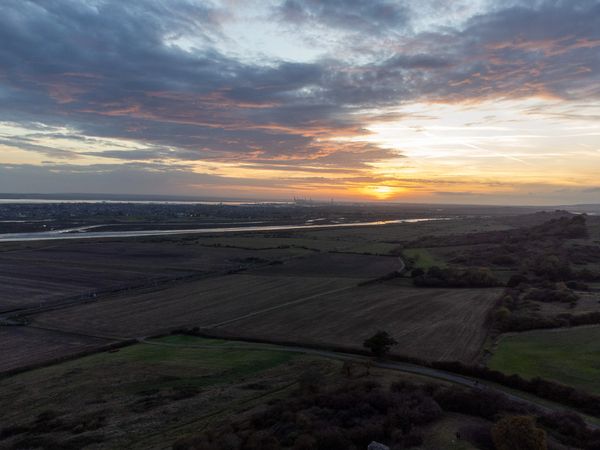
(455, 277)
(513, 312)
(520, 322)
(549, 390)
(566, 227)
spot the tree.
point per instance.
(380, 343)
(518, 433)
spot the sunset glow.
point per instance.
(449, 102)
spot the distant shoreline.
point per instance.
(69, 234)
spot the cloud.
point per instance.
(153, 73)
(356, 15)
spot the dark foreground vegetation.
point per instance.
(379, 345)
(355, 413)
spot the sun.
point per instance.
(380, 192)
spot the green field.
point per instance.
(569, 356)
(143, 394)
(422, 258)
(299, 244)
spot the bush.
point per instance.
(518, 433)
(453, 277)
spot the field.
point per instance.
(152, 285)
(131, 398)
(423, 258)
(363, 267)
(30, 277)
(198, 303)
(25, 346)
(148, 395)
(436, 324)
(331, 288)
(305, 241)
(569, 356)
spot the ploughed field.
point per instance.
(436, 324)
(26, 347)
(200, 303)
(433, 324)
(120, 289)
(35, 275)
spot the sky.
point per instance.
(471, 102)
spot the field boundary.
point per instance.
(70, 357)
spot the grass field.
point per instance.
(423, 258)
(301, 243)
(569, 356)
(144, 394)
(435, 324)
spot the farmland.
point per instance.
(26, 346)
(568, 356)
(46, 274)
(422, 258)
(198, 303)
(323, 288)
(435, 324)
(298, 285)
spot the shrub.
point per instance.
(453, 277)
(518, 433)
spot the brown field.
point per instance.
(25, 346)
(434, 324)
(31, 277)
(198, 303)
(334, 265)
(43, 274)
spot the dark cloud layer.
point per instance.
(355, 15)
(111, 69)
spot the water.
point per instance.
(83, 234)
